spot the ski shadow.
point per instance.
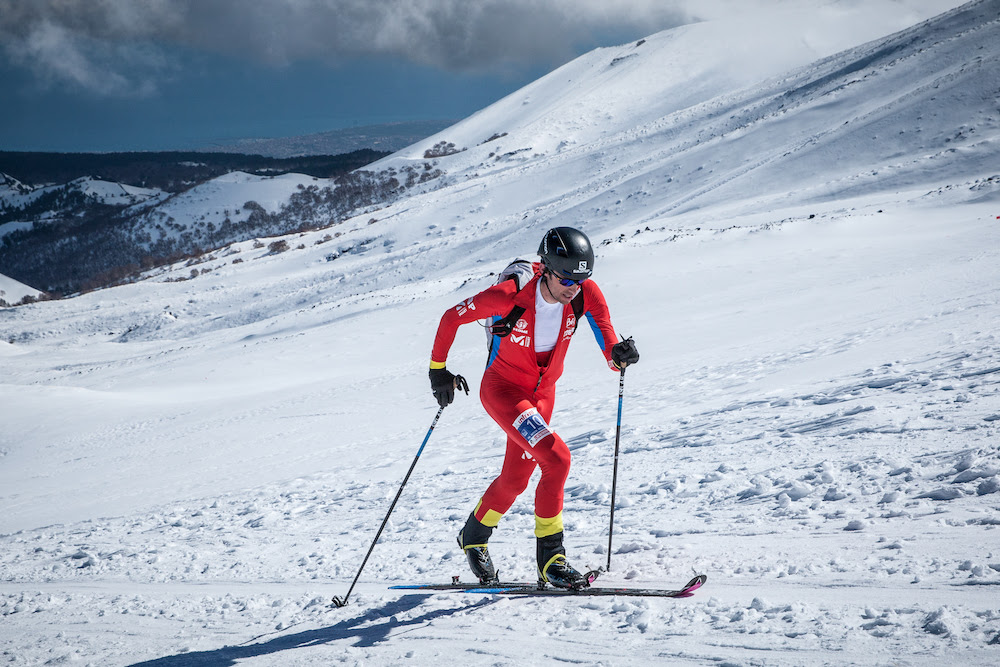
(368, 629)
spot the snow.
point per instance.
(114, 193)
(191, 469)
(13, 291)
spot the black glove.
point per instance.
(624, 353)
(444, 383)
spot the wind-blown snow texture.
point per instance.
(807, 253)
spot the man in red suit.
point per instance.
(532, 328)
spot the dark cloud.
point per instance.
(126, 46)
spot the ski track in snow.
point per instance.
(844, 522)
(191, 470)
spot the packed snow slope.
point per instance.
(803, 240)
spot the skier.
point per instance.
(518, 390)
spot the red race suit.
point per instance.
(518, 392)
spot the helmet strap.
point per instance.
(545, 283)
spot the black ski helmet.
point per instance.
(567, 251)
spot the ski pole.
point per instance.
(614, 476)
(340, 602)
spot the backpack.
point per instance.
(521, 271)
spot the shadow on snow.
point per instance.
(361, 628)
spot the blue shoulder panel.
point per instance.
(597, 330)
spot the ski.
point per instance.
(526, 589)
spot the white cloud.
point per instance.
(113, 46)
(117, 46)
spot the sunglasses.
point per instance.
(567, 282)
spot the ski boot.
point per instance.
(472, 539)
(553, 568)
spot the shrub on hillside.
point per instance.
(441, 149)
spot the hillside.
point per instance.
(912, 110)
(170, 171)
(799, 227)
(89, 233)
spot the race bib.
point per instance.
(531, 426)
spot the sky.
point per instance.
(111, 75)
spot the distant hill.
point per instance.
(171, 171)
(389, 137)
(78, 221)
(70, 232)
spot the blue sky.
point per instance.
(86, 75)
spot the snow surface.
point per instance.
(12, 291)
(808, 259)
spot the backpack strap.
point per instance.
(521, 271)
(503, 327)
(577, 304)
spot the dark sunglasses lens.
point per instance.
(566, 282)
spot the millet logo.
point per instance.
(522, 340)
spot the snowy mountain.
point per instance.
(908, 110)
(62, 199)
(14, 194)
(799, 227)
(89, 233)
